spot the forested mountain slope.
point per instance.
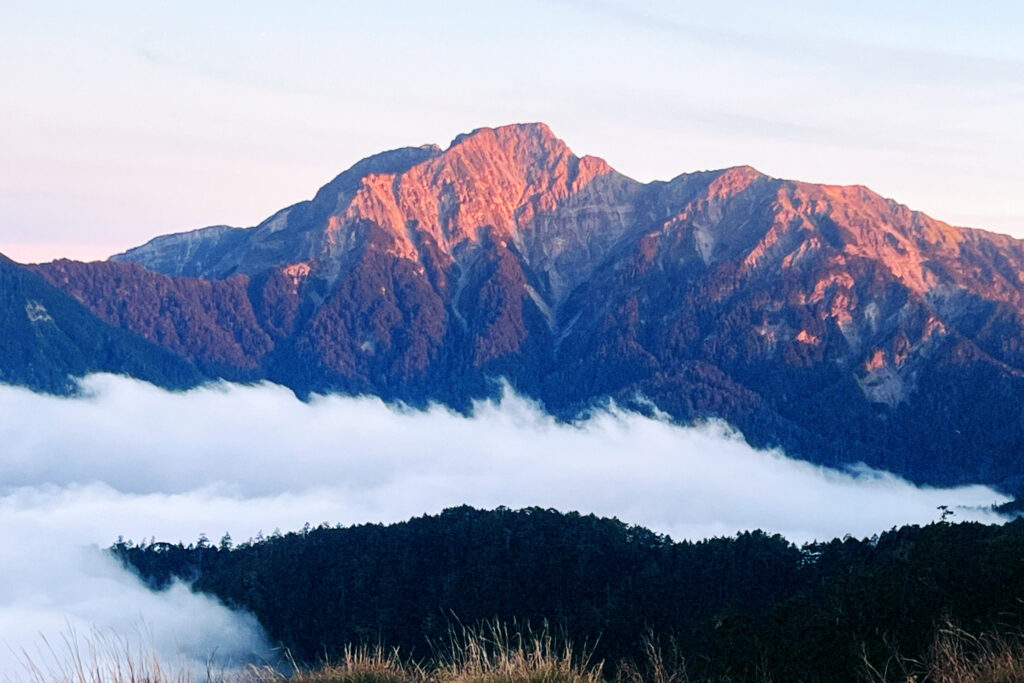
(47, 338)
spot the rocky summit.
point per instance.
(836, 324)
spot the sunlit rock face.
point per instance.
(828, 320)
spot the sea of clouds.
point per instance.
(129, 459)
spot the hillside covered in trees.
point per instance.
(739, 607)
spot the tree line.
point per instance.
(734, 607)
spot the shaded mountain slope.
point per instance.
(49, 338)
(827, 320)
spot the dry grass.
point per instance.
(362, 664)
(496, 654)
(956, 656)
(489, 654)
(103, 657)
(657, 666)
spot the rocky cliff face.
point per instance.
(827, 320)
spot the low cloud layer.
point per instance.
(136, 461)
(57, 585)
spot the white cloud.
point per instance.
(134, 460)
(56, 583)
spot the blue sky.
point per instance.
(124, 120)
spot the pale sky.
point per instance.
(121, 121)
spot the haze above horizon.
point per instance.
(123, 121)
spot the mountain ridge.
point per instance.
(424, 274)
(50, 337)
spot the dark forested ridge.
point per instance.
(829, 321)
(737, 606)
(47, 338)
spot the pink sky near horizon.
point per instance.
(122, 122)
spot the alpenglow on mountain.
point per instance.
(830, 321)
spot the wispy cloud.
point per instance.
(846, 52)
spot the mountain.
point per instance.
(829, 321)
(49, 338)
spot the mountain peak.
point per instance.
(525, 150)
(731, 181)
(493, 178)
(522, 132)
